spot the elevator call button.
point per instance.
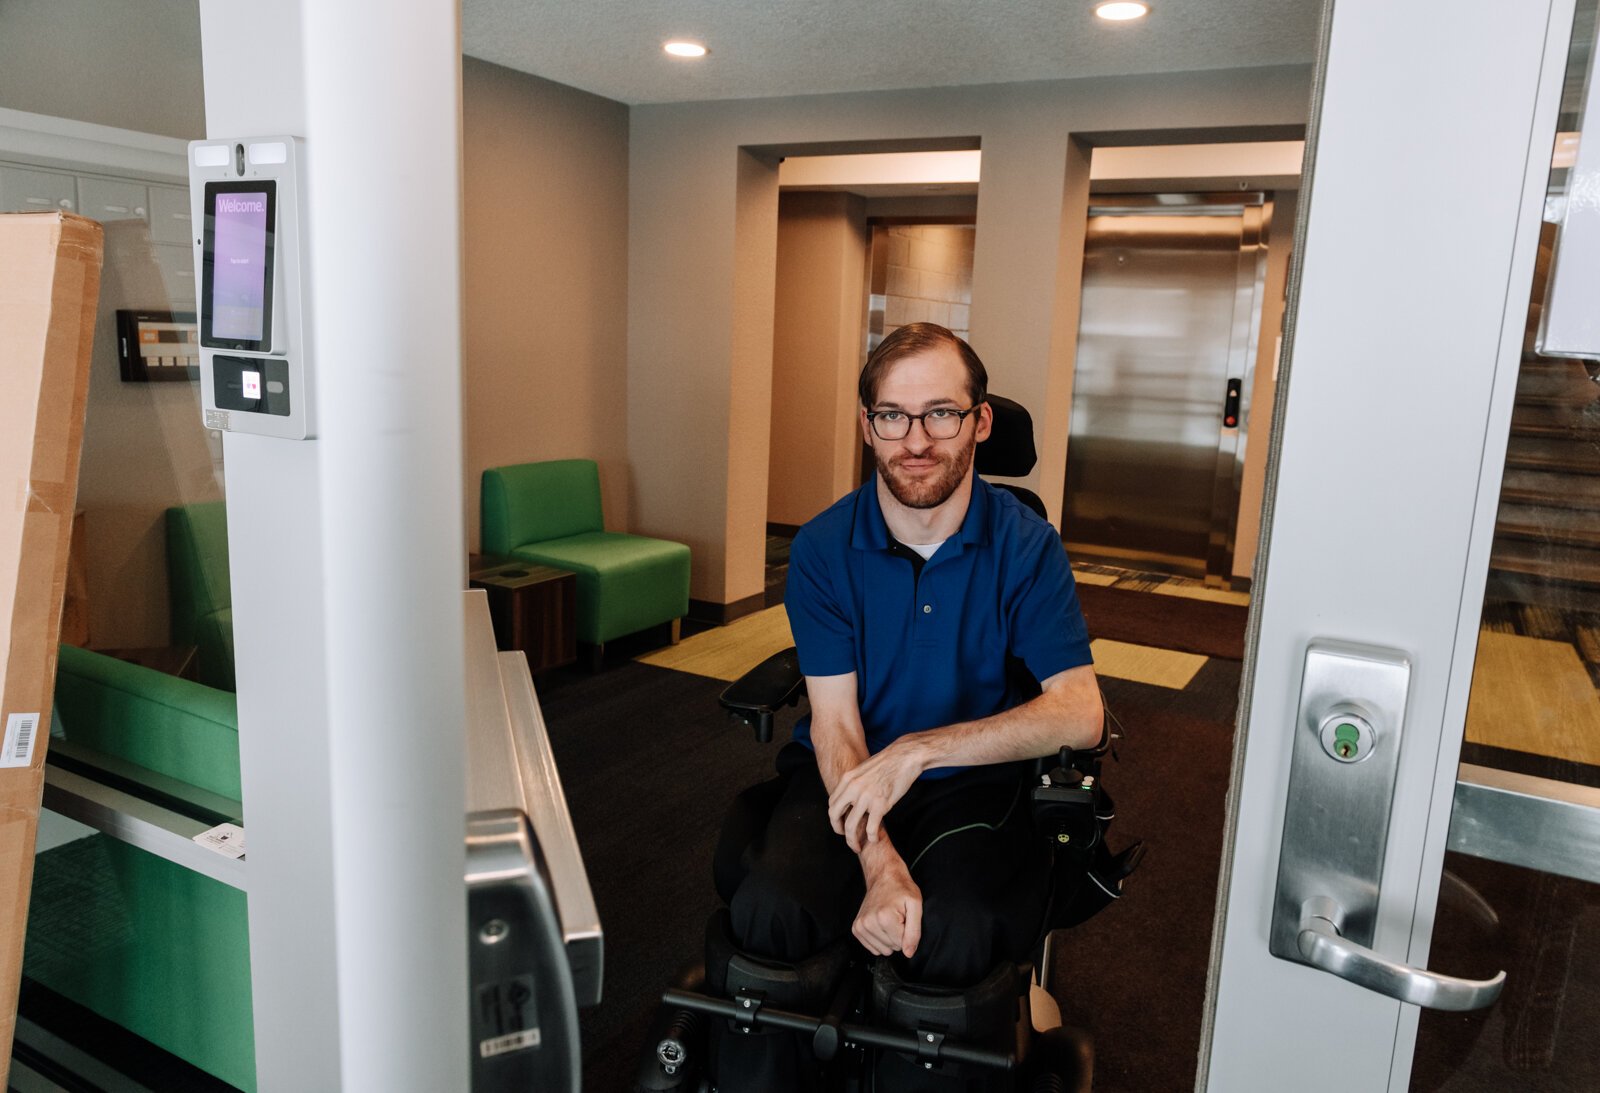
(1230, 404)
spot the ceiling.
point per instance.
(762, 48)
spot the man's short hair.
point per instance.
(915, 338)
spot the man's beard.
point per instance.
(930, 491)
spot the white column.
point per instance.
(346, 554)
(383, 96)
(253, 84)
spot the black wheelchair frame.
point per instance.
(1070, 812)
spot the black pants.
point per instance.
(798, 886)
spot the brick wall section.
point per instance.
(929, 275)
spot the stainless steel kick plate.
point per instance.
(1336, 825)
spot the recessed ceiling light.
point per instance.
(1122, 10)
(683, 48)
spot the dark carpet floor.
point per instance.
(1135, 975)
(650, 763)
(1540, 1036)
(1164, 621)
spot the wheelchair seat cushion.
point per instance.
(984, 1013)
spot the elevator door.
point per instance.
(1171, 305)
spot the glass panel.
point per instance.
(150, 575)
(1544, 931)
(1533, 710)
(144, 702)
(142, 942)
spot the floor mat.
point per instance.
(728, 652)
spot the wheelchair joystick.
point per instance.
(673, 1050)
(1065, 800)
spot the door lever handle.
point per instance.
(1342, 775)
(1322, 946)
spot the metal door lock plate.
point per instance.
(1352, 709)
(1352, 699)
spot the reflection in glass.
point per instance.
(145, 723)
(145, 591)
(1534, 710)
(141, 941)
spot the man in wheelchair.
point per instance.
(943, 651)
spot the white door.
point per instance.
(1426, 175)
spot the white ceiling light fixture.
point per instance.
(682, 47)
(1120, 11)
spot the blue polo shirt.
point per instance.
(931, 650)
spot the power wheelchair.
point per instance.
(865, 1028)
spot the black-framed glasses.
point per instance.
(942, 423)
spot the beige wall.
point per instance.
(545, 182)
(699, 470)
(132, 65)
(819, 339)
(749, 437)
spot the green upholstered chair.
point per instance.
(199, 589)
(549, 513)
(161, 951)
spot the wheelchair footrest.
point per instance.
(912, 1043)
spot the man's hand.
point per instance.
(890, 919)
(864, 794)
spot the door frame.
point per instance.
(1389, 443)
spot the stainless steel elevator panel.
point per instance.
(1170, 317)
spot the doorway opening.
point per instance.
(1173, 288)
(866, 243)
(1186, 252)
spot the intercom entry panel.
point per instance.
(255, 375)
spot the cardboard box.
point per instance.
(49, 288)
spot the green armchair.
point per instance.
(161, 951)
(199, 588)
(549, 513)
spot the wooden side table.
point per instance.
(534, 609)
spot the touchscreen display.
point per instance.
(238, 264)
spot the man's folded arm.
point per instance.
(837, 735)
(1068, 713)
(890, 919)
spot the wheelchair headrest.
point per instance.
(1009, 451)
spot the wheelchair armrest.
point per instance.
(755, 696)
